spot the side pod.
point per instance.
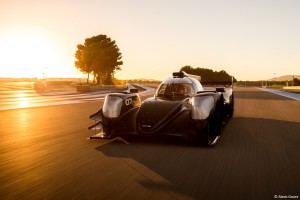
(113, 118)
(203, 105)
(208, 115)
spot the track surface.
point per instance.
(44, 155)
(19, 97)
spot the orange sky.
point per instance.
(251, 40)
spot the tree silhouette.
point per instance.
(100, 56)
(296, 82)
(208, 75)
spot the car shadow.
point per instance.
(254, 157)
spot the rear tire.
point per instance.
(231, 107)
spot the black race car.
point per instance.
(180, 107)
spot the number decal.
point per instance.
(128, 102)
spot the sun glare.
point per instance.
(26, 54)
(22, 100)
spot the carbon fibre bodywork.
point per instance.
(180, 107)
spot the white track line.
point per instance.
(285, 94)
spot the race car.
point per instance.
(180, 107)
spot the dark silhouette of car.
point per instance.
(180, 107)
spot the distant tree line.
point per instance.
(99, 56)
(295, 82)
(208, 75)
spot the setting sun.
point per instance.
(28, 54)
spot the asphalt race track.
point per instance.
(44, 154)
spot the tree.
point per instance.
(208, 75)
(100, 56)
(296, 82)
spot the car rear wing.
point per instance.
(218, 83)
(216, 86)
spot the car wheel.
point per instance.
(231, 107)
